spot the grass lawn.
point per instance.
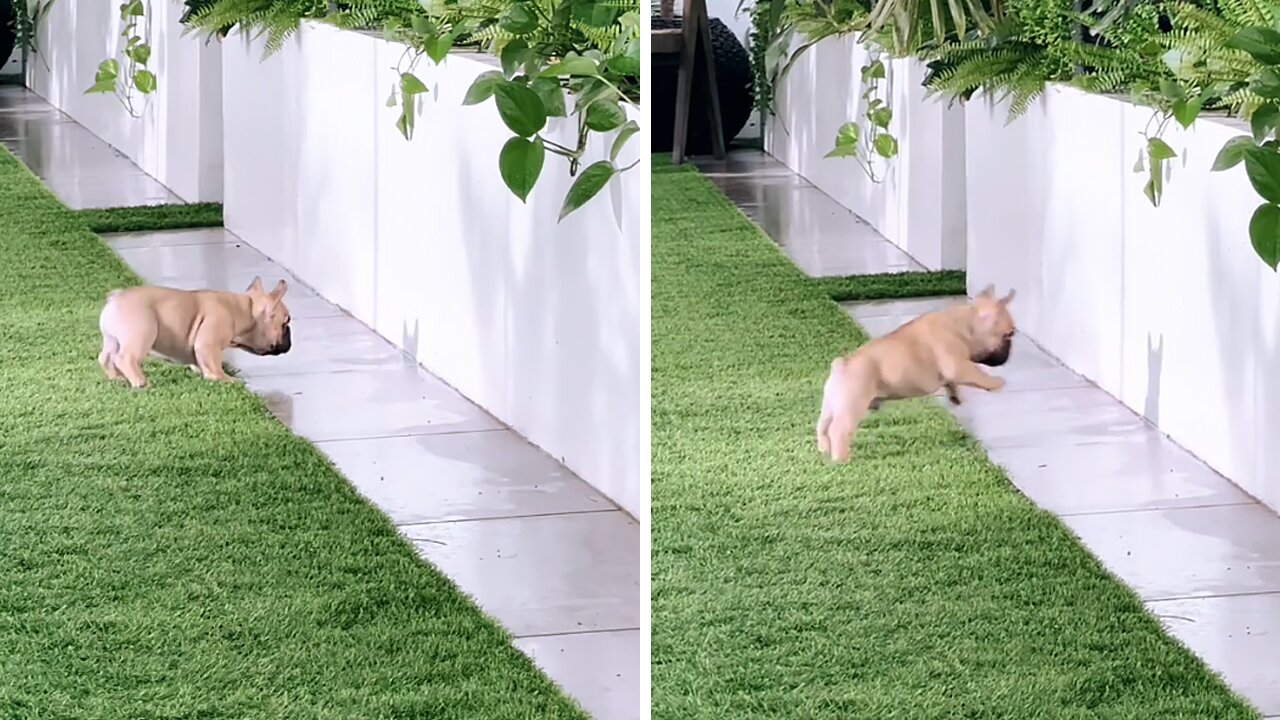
(886, 286)
(177, 553)
(152, 217)
(915, 583)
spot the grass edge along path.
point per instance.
(915, 583)
(850, 288)
(893, 285)
(178, 552)
(141, 218)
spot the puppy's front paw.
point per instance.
(997, 384)
(953, 394)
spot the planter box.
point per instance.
(920, 205)
(178, 139)
(1167, 308)
(543, 324)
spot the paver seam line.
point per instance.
(1214, 596)
(410, 435)
(1136, 511)
(534, 636)
(427, 523)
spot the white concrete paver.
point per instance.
(81, 169)
(1202, 555)
(537, 548)
(819, 235)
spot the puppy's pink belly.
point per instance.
(176, 351)
(905, 390)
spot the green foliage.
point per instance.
(548, 49)
(1179, 57)
(276, 20)
(1199, 57)
(27, 16)
(1004, 64)
(589, 51)
(133, 75)
(868, 138)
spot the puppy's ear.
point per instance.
(987, 291)
(278, 291)
(1008, 298)
(255, 286)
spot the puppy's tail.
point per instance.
(106, 319)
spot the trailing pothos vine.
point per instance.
(123, 79)
(865, 142)
(576, 59)
(548, 49)
(783, 31)
(1239, 72)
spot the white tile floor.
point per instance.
(81, 169)
(539, 549)
(817, 233)
(1203, 555)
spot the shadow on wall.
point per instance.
(1155, 362)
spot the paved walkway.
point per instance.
(1203, 555)
(540, 550)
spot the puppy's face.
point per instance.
(993, 328)
(270, 332)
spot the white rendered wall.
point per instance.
(1166, 308)
(920, 204)
(727, 12)
(178, 139)
(542, 324)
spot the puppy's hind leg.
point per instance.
(131, 365)
(824, 424)
(106, 358)
(833, 397)
(844, 425)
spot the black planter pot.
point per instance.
(733, 77)
(8, 30)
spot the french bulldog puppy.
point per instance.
(193, 327)
(937, 350)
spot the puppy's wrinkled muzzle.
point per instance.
(286, 342)
(996, 357)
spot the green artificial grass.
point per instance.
(892, 286)
(178, 553)
(661, 163)
(152, 217)
(914, 583)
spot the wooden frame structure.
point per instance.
(691, 43)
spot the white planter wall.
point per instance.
(543, 324)
(178, 139)
(920, 204)
(1166, 308)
